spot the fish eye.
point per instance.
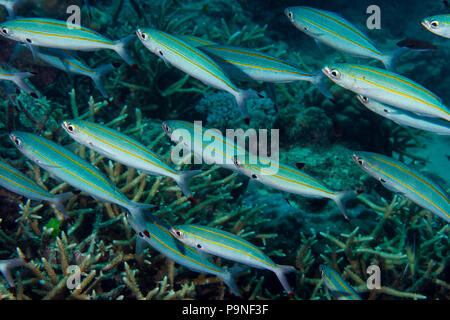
(17, 141)
(5, 30)
(160, 53)
(361, 162)
(254, 176)
(434, 24)
(70, 128)
(143, 35)
(386, 110)
(199, 246)
(335, 74)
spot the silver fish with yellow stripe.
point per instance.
(405, 118)
(18, 79)
(242, 64)
(119, 147)
(59, 34)
(389, 88)
(72, 169)
(407, 181)
(16, 182)
(207, 240)
(337, 32)
(438, 24)
(67, 61)
(157, 234)
(334, 282)
(194, 62)
(209, 146)
(286, 178)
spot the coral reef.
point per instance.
(410, 245)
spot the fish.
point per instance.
(389, 88)
(406, 181)
(16, 182)
(207, 240)
(438, 24)
(290, 179)
(67, 61)
(337, 32)
(242, 64)
(7, 265)
(59, 34)
(10, 6)
(211, 147)
(116, 146)
(334, 282)
(416, 44)
(405, 118)
(72, 169)
(195, 41)
(156, 233)
(18, 79)
(194, 62)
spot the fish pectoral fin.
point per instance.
(203, 255)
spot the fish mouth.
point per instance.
(355, 157)
(327, 71)
(362, 99)
(426, 24)
(12, 137)
(64, 125)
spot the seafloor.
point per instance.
(410, 244)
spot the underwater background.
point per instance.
(407, 242)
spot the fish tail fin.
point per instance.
(58, 200)
(97, 77)
(120, 48)
(389, 59)
(281, 272)
(136, 208)
(7, 265)
(182, 179)
(341, 197)
(241, 98)
(19, 78)
(319, 81)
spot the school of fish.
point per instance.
(380, 90)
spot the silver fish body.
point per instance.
(405, 118)
(59, 34)
(70, 168)
(16, 182)
(121, 148)
(337, 32)
(407, 181)
(192, 61)
(389, 88)
(207, 240)
(18, 79)
(209, 146)
(157, 234)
